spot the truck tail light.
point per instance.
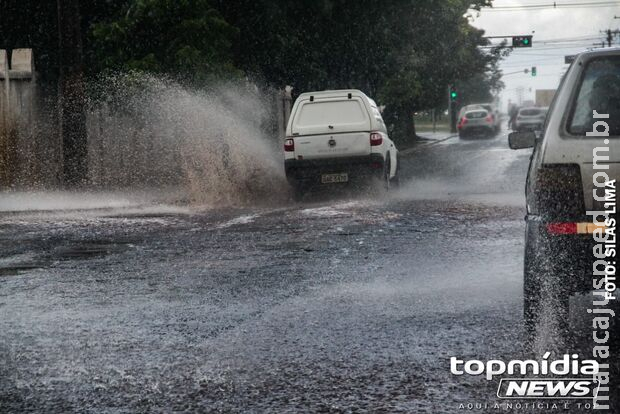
(375, 139)
(289, 145)
(562, 228)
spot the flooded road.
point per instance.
(334, 304)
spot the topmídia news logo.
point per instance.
(564, 378)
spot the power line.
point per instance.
(554, 42)
(554, 5)
(531, 63)
(561, 39)
(551, 47)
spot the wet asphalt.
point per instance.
(343, 302)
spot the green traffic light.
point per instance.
(453, 95)
(526, 41)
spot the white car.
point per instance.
(335, 138)
(476, 121)
(530, 119)
(495, 118)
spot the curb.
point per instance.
(430, 144)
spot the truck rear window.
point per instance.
(476, 114)
(530, 112)
(599, 90)
(331, 113)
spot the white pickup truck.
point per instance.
(336, 138)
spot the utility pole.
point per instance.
(520, 91)
(610, 34)
(452, 100)
(71, 95)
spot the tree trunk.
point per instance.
(411, 133)
(402, 126)
(71, 95)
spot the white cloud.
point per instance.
(544, 25)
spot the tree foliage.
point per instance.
(404, 53)
(183, 38)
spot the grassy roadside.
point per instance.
(424, 123)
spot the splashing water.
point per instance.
(202, 147)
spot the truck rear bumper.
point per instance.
(528, 126)
(310, 171)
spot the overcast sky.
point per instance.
(569, 29)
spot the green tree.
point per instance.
(442, 49)
(403, 52)
(187, 39)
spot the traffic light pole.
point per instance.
(517, 40)
(453, 117)
(452, 110)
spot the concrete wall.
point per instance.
(121, 143)
(21, 147)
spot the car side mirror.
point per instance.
(521, 140)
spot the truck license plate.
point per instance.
(334, 178)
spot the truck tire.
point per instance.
(387, 165)
(543, 288)
(299, 191)
(531, 295)
(395, 181)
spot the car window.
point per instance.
(476, 114)
(377, 114)
(599, 90)
(331, 113)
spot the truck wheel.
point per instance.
(298, 192)
(543, 289)
(395, 181)
(386, 173)
(531, 295)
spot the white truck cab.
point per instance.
(335, 137)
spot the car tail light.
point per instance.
(559, 191)
(375, 139)
(489, 119)
(289, 145)
(574, 228)
(462, 123)
(562, 228)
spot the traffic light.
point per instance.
(522, 41)
(453, 94)
(533, 70)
